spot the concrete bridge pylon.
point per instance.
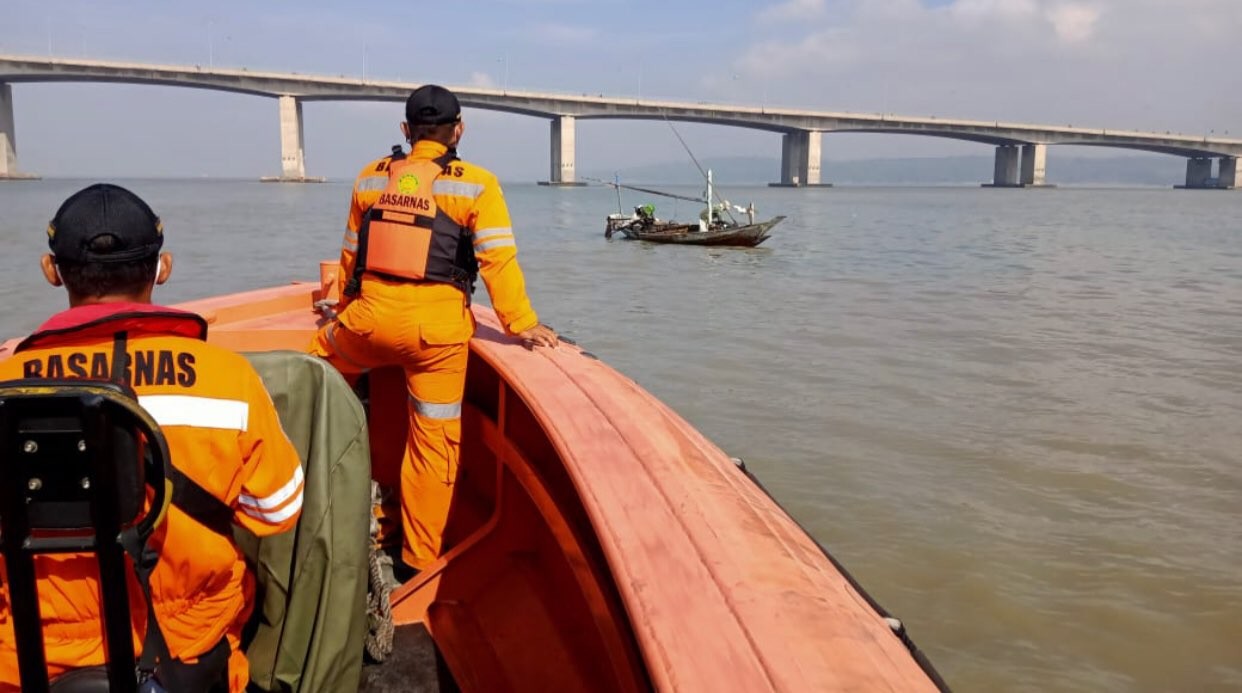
(562, 140)
(1034, 166)
(8, 137)
(292, 145)
(1230, 176)
(1199, 173)
(801, 153)
(1006, 170)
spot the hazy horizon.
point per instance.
(1139, 170)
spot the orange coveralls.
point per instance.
(223, 433)
(426, 328)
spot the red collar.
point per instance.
(105, 320)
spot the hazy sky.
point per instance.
(1142, 64)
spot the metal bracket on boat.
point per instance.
(326, 307)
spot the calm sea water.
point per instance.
(1015, 415)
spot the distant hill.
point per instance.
(946, 170)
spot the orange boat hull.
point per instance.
(599, 542)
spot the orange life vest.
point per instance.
(405, 236)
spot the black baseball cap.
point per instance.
(104, 210)
(432, 104)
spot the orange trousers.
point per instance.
(425, 329)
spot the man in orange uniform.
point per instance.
(223, 434)
(421, 226)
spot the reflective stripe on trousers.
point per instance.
(434, 410)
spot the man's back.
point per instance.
(457, 191)
(222, 433)
(471, 196)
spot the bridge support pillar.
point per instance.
(1198, 173)
(1005, 173)
(563, 137)
(292, 147)
(800, 160)
(791, 143)
(1034, 165)
(8, 137)
(292, 158)
(809, 165)
(1230, 176)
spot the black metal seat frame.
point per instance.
(76, 458)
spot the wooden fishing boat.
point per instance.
(741, 235)
(597, 541)
(717, 228)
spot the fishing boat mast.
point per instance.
(708, 198)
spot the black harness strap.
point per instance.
(120, 361)
(154, 646)
(192, 499)
(199, 504)
(140, 552)
(466, 267)
(446, 158)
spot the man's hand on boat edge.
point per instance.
(539, 335)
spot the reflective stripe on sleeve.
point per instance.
(481, 235)
(456, 187)
(269, 508)
(433, 410)
(372, 184)
(199, 412)
(276, 516)
(495, 243)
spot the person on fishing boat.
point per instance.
(717, 218)
(233, 463)
(421, 227)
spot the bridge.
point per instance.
(1021, 149)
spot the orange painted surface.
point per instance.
(598, 542)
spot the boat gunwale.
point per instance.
(761, 503)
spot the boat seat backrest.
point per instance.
(77, 458)
(46, 450)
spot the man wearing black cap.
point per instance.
(224, 438)
(421, 227)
